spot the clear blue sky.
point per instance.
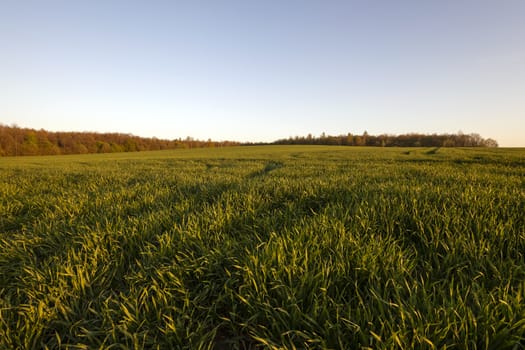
(262, 70)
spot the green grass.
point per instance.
(264, 247)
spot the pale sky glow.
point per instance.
(263, 70)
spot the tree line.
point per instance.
(405, 140)
(17, 141)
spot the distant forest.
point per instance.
(384, 140)
(16, 141)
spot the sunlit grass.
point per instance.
(264, 247)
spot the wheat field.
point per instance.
(267, 247)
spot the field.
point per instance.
(264, 247)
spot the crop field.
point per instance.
(266, 247)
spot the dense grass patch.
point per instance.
(264, 247)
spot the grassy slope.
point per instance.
(279, 246)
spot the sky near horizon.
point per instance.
(265, 70)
